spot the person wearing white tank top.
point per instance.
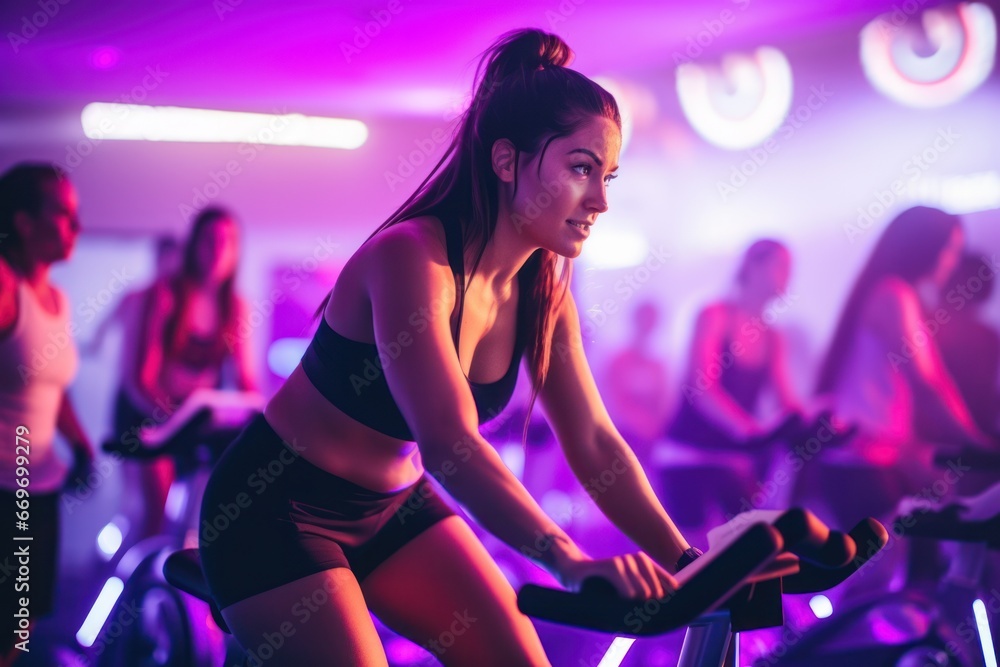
(38, 359)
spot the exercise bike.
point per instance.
(946, 627)
(149, 621)
(736, 586)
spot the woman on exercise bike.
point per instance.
(38, 359)
(884, 361)
(418, 344)
(189, 330)
(737, 355)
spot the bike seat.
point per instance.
(182, 570)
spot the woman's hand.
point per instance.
(634, 576)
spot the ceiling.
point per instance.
(405, 80)
(313, 57)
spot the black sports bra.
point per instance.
(349, 373)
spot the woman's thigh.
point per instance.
(321, 619)
(443, 591)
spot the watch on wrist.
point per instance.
(689, 556)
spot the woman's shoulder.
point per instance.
(161, 293)
(418, 240)
(8, 279)
(891, 292)
(8, 297)
(716, 313)
(892, 305)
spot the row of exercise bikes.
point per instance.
(156, 608)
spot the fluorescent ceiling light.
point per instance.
(143, 123)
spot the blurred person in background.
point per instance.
(131, 405)
(189, 330)
(736, 356)
(636, 384)
(883, 361)
(969, 346)
(38, 360)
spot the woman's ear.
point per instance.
(23, 224)
(504, 160)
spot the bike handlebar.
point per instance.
(751, 547)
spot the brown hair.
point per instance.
(22, 189)
(178, 326)
(524, 93)
(909, 248)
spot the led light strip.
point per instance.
(144, 123)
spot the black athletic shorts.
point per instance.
(270, 517)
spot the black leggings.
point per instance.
(270, 517)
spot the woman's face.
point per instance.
(949, 258)
(769, 275)
(560, 194)
(777, 269)
(218, 249)
(50, 236)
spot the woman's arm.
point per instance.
(645, 418)
(896, 316)
(411, 307)
(781, 378)
(596, 452)
(116, 316)
(8, 298)
(69, 425)
(242, 349)
(704, 387)
(151, 353)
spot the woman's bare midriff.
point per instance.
(329, 439)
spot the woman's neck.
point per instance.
(35, 273)
(751, 304)
(503, 257)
